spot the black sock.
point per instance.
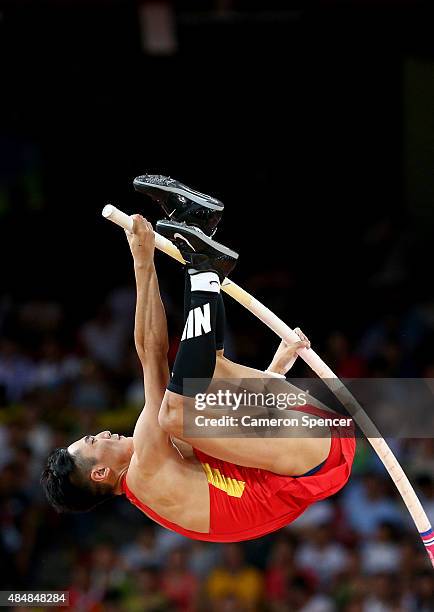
(221, 315)
(196, 355)
(220, 324)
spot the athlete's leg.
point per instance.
(220, 317)
(292, 455)
(196, 359)
(208, 262)
(227, 369)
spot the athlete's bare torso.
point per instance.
(176, 490)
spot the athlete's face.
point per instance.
(110, 453)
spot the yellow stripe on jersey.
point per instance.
(232, 487)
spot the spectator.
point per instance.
(421, 459)
(178, 583)
(54, 367)
(322, 555)
(16, 371)
(146, 595)
(91, 391)
(281, 571)
(303, 598)
(381, 554)
(83, 596)
(367, 505)
(384, 595)
(342, 360)
(105, 568)
(425, 484)
(424, 592)
(38, 434)
(104, 339)
(321, 512)
(204, 557)
(234, 578)
(113, 601)
(142, 551)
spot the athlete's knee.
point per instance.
(170, 414)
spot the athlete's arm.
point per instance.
(151, 341)
(286, 354)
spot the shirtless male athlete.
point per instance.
(211, 488)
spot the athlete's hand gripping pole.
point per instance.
(323, 371)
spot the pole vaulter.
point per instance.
(360, 417)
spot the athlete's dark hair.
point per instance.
(67, 484)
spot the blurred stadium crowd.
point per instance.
(349, 201)
(356, 552)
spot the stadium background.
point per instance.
(313, 122)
